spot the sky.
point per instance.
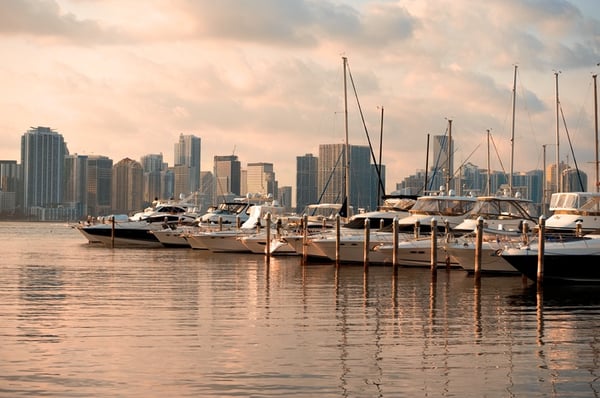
(263, 79)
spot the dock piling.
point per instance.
(433, 244)
(367, 242)
(478, 244)
(541, 248)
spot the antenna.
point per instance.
(233, 152)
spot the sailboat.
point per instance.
(573, 211)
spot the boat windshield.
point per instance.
(230, 208)
(322, 211)
(498, 209)
(431, 205)
(566, 200)
(397, 204)
(584, 201)
(591, 204)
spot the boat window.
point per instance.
(590, 203)
(564, 201)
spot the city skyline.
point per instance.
(263, 80)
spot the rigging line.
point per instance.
(366, 131)
(465, 161)
(330, 177)
(437, 164)
(497, 154)
(572, 152)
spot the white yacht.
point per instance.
(570, 208)
(230, 240)
(444, 207)
(136, 230)
(500, 213)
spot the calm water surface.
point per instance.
(79, 320)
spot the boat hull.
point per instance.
(121, 237)
(558, 269)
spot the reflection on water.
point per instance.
(82, 320)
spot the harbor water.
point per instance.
(82, 320)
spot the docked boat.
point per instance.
(230, 213)
(572, 208)
(503, 220)
(394, 206)
(462, 251)
(448, 208)
(230, 240)
(569, 260)
(500, 213)
(417, 253)
(136, 230)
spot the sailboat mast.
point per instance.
(449, 157)
(596, 128)
(512, 135)
(346, 147)
(426, 166)
(489, 171)
(557, 171)
(379, 187)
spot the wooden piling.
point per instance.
(367, 243)
(268, 237)
(304, 238)
(579, 229)
(417, 229)
(112, 232)
(337, 238)
(478, 244)
(525, 233)
(433, 244)
(541, 248)
(395, 243)
(220, 223)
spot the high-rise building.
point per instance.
(227, 176)
(441, 169)
(260, 179)
(128, 186)
(9, 185)
(331, 175)
(99, 185)
(207, 185)
(187, 152)
(182, 180)
(306, 181)
(285, 197)
(574, 180)
(153, 166)
(551, 186)
(167, 183)
(75, 184)
(43, 152)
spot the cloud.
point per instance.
(44, 19)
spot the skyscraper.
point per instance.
(260, 178)
(441, 168)
(43, 152)
(75, 186)
(99, 185)
(187, 152)
(331, 175)
(127, 187)
(152, 165)
(9, 183)
(227, 175)
(306, 181)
